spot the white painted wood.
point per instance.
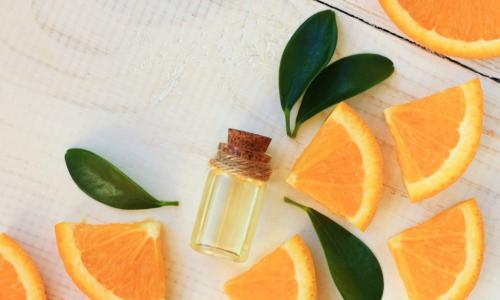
(153, 86)
(372, 12)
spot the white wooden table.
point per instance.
(153, 85)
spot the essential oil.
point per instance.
(233, 196)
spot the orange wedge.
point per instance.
(437, 137)
(459, 27)
(114, 261)
(342, 167)
(285, 274)
(442, 258)
(19, 278)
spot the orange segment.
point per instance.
(114, 261)
(437, 137)
(342, 167)
(442, 258)
(285, 274)
(19, 278)
(459, 28)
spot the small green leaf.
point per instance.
(307, 52)
(104, 182)
(343, 79)
(353, 266)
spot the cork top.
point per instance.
(247, 140)
(244, 154)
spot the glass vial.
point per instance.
(233, 196)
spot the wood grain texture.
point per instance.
(371, 12)
(153, 86)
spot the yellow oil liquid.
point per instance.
(228, 215)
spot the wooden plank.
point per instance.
(371, 12)
(153, 87)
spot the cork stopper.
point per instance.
(244, 154)
(247, 140)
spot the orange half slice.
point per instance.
(285, 274)
(342, 167)
(437, 137)
(114, 261)
(19, 278)
(442, 258)
(459, 27)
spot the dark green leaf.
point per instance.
(353, 266)
(105, 183)
(343, 79)
(308, 51)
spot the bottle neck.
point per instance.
(241, 165)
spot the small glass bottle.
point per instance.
(233, 196)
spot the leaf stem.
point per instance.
(169, 203)
(287, 121)
(295, 130)
(290, 201)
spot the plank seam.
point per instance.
(493, 78)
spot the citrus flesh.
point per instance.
(437, 137)
(442, 258)
(342, 167)
(19, 278)
(114, 261)
(458, 28)
(287, 273)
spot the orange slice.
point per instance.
(19, 278)
(437, 137)
(459, 27)
(442, 258)
(114, 261)
(285, 274)
(342, 167)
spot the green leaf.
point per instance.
(343, 79)
(307, 52)
(104, 182)
(353, 266)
